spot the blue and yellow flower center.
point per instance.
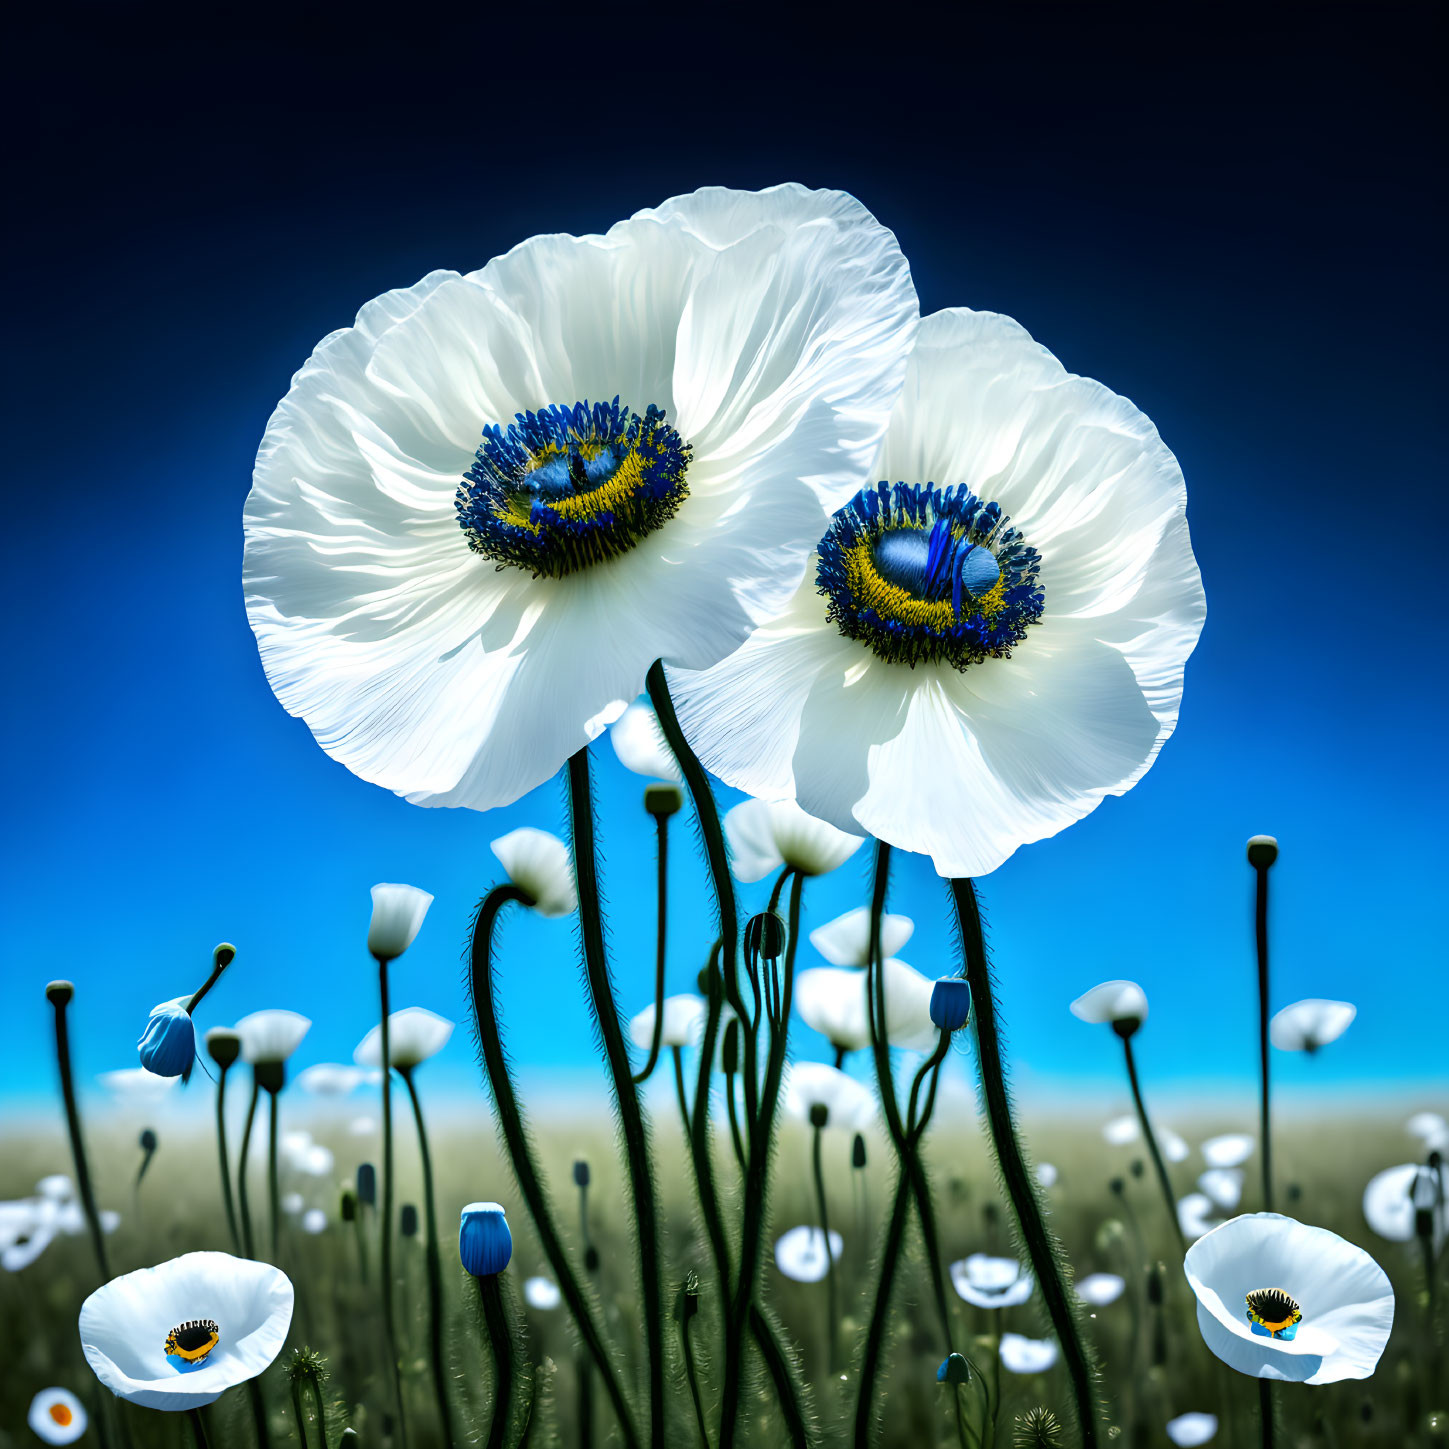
(566, 487)
(1272, 1313)
(925, 574)
(189, 1343)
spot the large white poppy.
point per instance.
(540, 864)
(754, 343)
(271, 1036)
(846, 1102)
(145, 1334)
(845, 941)
(1307, 1025)
(414, 1035)
(1278, 1299)
(1021, 510)
(765, 837)
(988, 1282)
(835, 1001)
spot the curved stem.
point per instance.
(790, 1392)
(204, 988)
(274, 1198)
(520, 1151)
(692, 1375)
(1163, 1180)
(662, 892)
(243, 1203)
(626, 1096)
(678, 1054)
(1021, 1189)
(61, 1000)
(500, 1342)
(384, 1227)
(831, 1285)
(1260, 923)
(929, 1068)
(876, 1332)
(226, 1195)
(433, 1260)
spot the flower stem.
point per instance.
(198, 1430)
(205, 986)
(226, 1194)
(274, 1197)
(1031, 1220)
(515, 1137)
(1265, 1412)
(678, 1053)
(876, 1332)
(321, 1410)
(434, 1262)
(389, 1326)
(1163, 1180)
(662, 892)
(626, 1096)
(692, 1375)
(500, 1343)
(831, 1285)
(297, 1412)
(59, 994)
(243, 1203)
(1260, 922)
(791, 1393)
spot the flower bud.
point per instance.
(270, 1076)
(857, 1151)
(950, 1003)
(397, 916)
(222, 956)
(765, 936)
(819, 1114)
(591, 1259)
(223, 1046)
(954, 1370)
(367, 1184)
(1262, 851)
(408, 1220)
(148, 1140)
(168, 1043)
(663, 800)
(581, 1173)
(59, 993)
(730, 1053)
(348, 1208)
(1137, 1168)
(484, 1243)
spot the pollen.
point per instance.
(61, 1414)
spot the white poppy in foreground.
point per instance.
(1230, 1150)
(178, 1335)
(639, 743)
(1278, 1299)
(397, 917)
(683, 1022)
(989, 1282)
(1197, 1214)
(271, 1036)
(845, 941)
(453, 621)
(1112, 1001)
(1187, 1431)
(1307, 1025)
(1100, 1289)
(329, 1079)
(57, 1416)
(813, 1087)
(136, 1084)
(800, 1254)
(542, 1293)
(413, 1035)
(1224, 1185)
(765, 837)
(540, 864)
(835, 1001)
(1022, 1355)
(990, 641)
(1391, 1203)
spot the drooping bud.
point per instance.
(484, 1242)
(954, 1370)
(168, 1043)
(765, 936)
(950, 1003)
(1262, 851)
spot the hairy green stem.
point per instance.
(1163, 1180)
(60, 999)
(389, 1322)
(875, 1333)
(226, 1194)
(274, 1196)
(320, 1408)
(831, 1284)
(297, 1412)
(784, 1374)
(662, 892)
(243, 1201)
(692, 1375)
(500, 1343)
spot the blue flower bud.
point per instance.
(950, 1003)
(954, 1370)
(367, 1184)
(484, 1243)
(168, 1045)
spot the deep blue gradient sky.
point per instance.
(1234, 219)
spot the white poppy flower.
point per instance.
(640, 745)
(800, 1254)
(847, 1103)
(454, 621)
(271, 1036)
(1197, 1214)
(397, 917)
(989, 1282)
(57, 1186)
(1307, 1025)
(1100, 1289)
(27, 1227)
(1122, 1130)
(1278, 1299)
(414, 1035)
(764, 836)
(1046, 1174)
(146, 1334)
(683, 1022)
(1389, 1207)
(1187, 1431)
(1174, 1148)
(539, 863)
(1021, 511)
(136, 1084)
(314, 1221)
(1224, 1185)
(293, 1203)
(835, 1001)
(845, 941)
(1229, 1150)
(329, 1079)
(1021, 1355)
(1112, 1001)
(57, 1416)
(1430, 1128)
(541, 1293)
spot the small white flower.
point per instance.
(1187, 1431)
(293, 1203)
(1046, 1174)
(541, 1293)
(271, 1036)
(362, 1126)
(539, 864)
(1112, 1001)
(414, 1035)
(1224, 1185)
(1230, 1150)
(1389, 1208)
(764, 836)
(57, 1186)
(314, 1220)
(989, 1282)
(1344, 1299)
(1122, 1130)
(1021, 1355)
(57, 1416)
(1100, 1289)
(137, 1085)
(1307, 1025)
(1174, 1148)
(847, 1103)
(1197, 1214)
(800, 1254)
(835, 1001)
(329, 1079)
(1431, 1129)
(125, 1326)
(639, 743)
(397, 917)
(845, 941)
(684, 1017)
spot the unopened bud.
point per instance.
(1138, 1168)
(148, 1140)
(270, 1076)
(59, 993)
(408, 1220)
(730, 1055)
(348, 1208)
(581, 1172)
(765, 936)
(663, 800)
(954, 1370)
(223, 955)
(857, 1151)
(819, 1115)
(1262, 851)
(223, 1046)
(591, 1258)
(367, 1184)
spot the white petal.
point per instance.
(1020, 1355)
(397, 917)
(1388, 1204)
(845, 941)
(329, 1079)
(271, 1036)
(1308, 1025)
(1430, 1128)
(314, 1221)
(414, 1035)
(639, 743)
(800, 1254)
(988, 1282)
(1196, 1215)
(137, 1084)
(1189, 1430)
(1174, 1149)
(1099, 1289)
(765, 835)
(847, 1103)
(1122, 1130)
(541, 1293)
(1046, 1174)
(1112, 1001)
(1224, 1185)
(683, 1022)
(539, 863)
(1228, 1150)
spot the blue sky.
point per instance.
(1266, 289)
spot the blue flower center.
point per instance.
(1272, 1313)
(571, 486)
(925, 574)
(189, 1344)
